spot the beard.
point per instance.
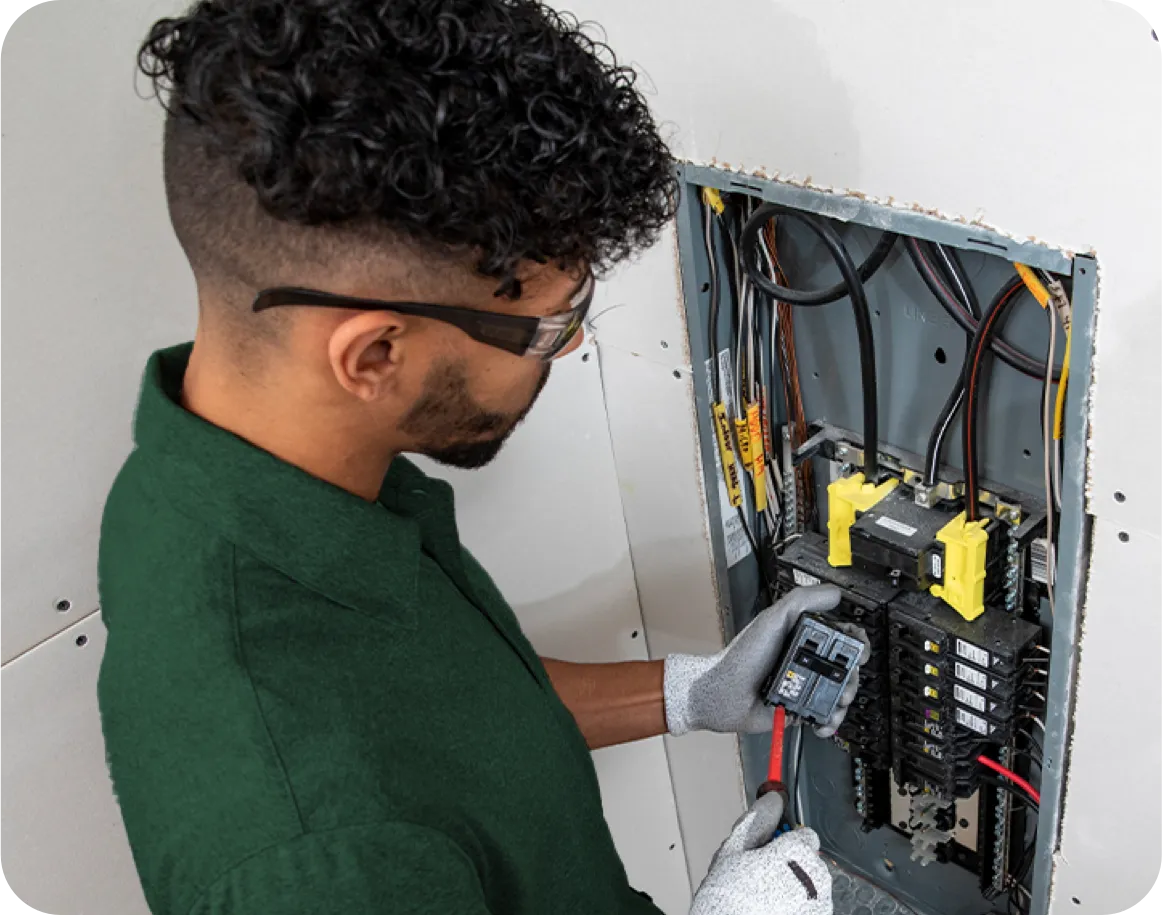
(450, 427)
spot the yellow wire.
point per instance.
(1061, 394)
(1038, 290)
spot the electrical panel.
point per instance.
(900, 434)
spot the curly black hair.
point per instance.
(495, 128)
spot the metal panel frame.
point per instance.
(1074, 523)
(852, 208)
(1071, 574)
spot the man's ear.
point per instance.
(365, 353)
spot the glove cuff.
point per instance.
(680, 672)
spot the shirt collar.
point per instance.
(364, 555)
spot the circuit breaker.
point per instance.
(907, 378)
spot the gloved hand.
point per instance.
(721, 692)
(753, 875)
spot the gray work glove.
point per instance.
(721, 692)
(753, 875)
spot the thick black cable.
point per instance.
(1013, 357)
(856, 290)
(987, 328)
(749, 243)
(955, 273)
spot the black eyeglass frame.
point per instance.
(530, 337)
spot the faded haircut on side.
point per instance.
(311, 137)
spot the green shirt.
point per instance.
(317, 704)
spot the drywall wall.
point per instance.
(93, 281)
(1037, 118)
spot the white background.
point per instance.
(1055, 134)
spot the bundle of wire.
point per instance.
(851, 284)
(783, 335)
(741, 382)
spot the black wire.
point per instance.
(1012, 356)
(955, 274)
(852, 281)
(1018, 793)
(795, 796)
(987, 328)
(961, 279)
(1035, 742)
(749, 242)
(1025, 863)
(941, 427)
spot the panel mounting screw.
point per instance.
(64, 606)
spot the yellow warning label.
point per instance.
(767, 421)
(744, 440)
(756, 443)
(727, 457)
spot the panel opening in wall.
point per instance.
(924, 552)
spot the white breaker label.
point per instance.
(936, 566)
(969, 697)
(792, 685)
(897, 527)
(971, 721)
(970, 675)
(804, 579)
(979, 656)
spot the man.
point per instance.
(314, 700)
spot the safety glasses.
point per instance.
(534, 338)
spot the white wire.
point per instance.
(1047, 458)
(1038, 721)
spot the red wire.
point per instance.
(968, 417)
(776, 755)
(1007, 774)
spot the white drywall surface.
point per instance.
(1040, 119)
(93, 281)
